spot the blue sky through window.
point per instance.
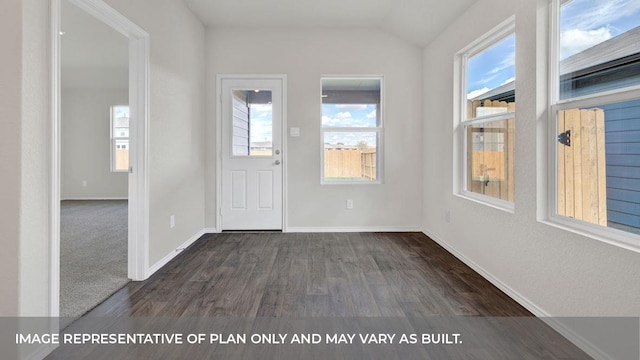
(491, 68)
(349, 115)
(585, 23)
(121, 111)
(261, 123)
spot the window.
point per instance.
(351, 130)
(595, 118)
(119, 138)
(488, 112)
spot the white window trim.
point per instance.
(114, 139)
(620, 238)
(379, 130)
(502, 31)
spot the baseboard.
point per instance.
(353, 229)
(212, 231)
(164, 261)
(41, 352)
(92, 198)
(556, 325)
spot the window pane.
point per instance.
(599, 46)
(491, 78)
(599, 165)
(349, 115)
(252, 123)
(490, 152)
(350, 156)
(121, 155)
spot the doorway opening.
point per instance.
(99, 205)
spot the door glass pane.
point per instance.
(251, 123)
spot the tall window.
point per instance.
(351, 130)
(119, 138)
(595, 112)
(488, 115)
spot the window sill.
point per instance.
(489, 201)
(611, 236)
(324, 182)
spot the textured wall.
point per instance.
(305, 55)
(551, 271)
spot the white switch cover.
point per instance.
(294, 131)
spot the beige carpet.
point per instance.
(93, 253)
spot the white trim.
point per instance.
(544, 316)
(212, 230)
(379, 130)
(92, 198)
(364, 229)
(504, 30)
(165, 260)
(612, 236)
(284, 127)
(487, 200)
(138, 243)
(54, 205)
(622, 239)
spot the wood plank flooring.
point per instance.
(302, 275)
(268, 283)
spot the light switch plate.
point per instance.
(294, 131)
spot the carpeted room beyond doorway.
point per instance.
(93, 253)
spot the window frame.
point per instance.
(114, 139)
(489, 39)
(613, 236)
(379, 130)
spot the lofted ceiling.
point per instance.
(89, 43)
(416, 21)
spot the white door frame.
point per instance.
(219, 78)
(138, 244)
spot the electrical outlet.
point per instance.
(349, 204)
(172, 221)
(447, 216)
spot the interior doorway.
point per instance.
(123, 130)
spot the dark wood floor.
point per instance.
(356, 283)
(335, 274)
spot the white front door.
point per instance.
(252, 111)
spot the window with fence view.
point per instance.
(597, 113)
(351, 129)
(488, 122)
(120, 138)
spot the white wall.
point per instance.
(10, 148)
(176, 120)
(177, 140)
(86, 144)
(36, 159)
(305, 55)
(551, 271)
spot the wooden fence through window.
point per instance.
(582, 179)
(350, 163)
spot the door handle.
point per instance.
(277, 162)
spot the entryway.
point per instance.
(252, 153)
